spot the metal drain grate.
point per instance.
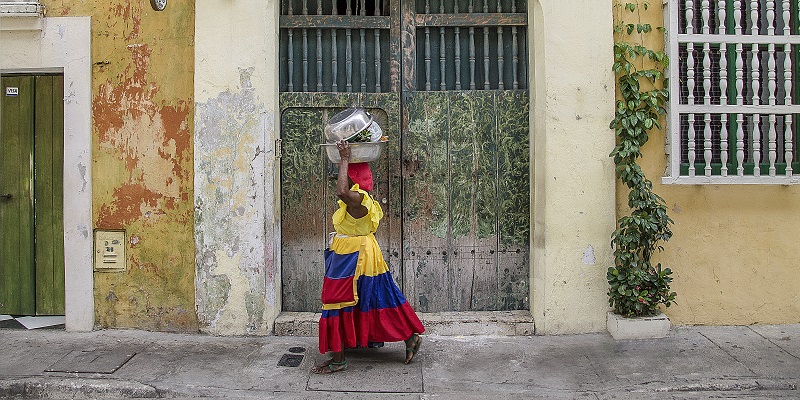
(290, 360)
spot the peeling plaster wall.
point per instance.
(236, 231)
(733, 247)
(142, 153)
(573, 177)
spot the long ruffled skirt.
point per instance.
(360, 301)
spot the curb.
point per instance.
(75, 388)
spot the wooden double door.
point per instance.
(447, 83)
(31, 223)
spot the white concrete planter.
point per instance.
(622, 328)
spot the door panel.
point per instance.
(48, 188)
(17, 275)
(513, 205)
(466, 175)
(308, 188)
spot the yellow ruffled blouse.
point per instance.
(345, 224)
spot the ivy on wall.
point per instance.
(636, 287)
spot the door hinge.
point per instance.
(278, 148)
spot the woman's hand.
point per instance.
(344, 149)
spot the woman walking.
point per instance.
(361, 303)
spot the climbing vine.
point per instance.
(636, 287)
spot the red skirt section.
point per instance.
(350, 327)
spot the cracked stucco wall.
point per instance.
(236, 90)
(142, 174)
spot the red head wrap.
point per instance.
(361, 174)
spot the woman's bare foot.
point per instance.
(329, 367)
(412, 347)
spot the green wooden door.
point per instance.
(31, 159)
(450, 77)
(48, 194)
(17, 273)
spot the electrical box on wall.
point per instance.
(109, 251)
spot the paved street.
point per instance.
(761, 362)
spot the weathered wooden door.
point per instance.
(31, 223)
(449, 79)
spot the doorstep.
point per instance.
(501, 323)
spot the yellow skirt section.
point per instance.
(370, 261)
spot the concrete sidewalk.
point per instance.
(693, 362)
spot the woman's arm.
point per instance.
(350, 198)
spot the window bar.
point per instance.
(377, 58)
(737, 12)
(458, 60)
(458, 50)
(427, 58)
(723, 86)
(772, 86)
(789, 145)
(787, 87)
(500, 51)
(427, 49)
(707, 155)
(363, 64)
(442, 59)
(290, 53)
(755, 81)
(690, 140)
(349, 54)
(486, 49)
(319, 51)
(305, 59)
(471, 50)
(514, 48)
(305, 49)
(334, 55)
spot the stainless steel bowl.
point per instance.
(359, 152)
(347, 123)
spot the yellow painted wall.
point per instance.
(733, 245)
(142, 158)
(573, 178)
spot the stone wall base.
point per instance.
(502, 323)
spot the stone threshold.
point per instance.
(501, 323)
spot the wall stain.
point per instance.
(127, 206)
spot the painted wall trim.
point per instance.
(64, 43)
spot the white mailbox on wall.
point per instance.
(109, 251)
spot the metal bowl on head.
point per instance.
(347, 123)
(359, 152)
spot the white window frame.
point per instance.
(699, 141)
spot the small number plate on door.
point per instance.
(12, 91)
